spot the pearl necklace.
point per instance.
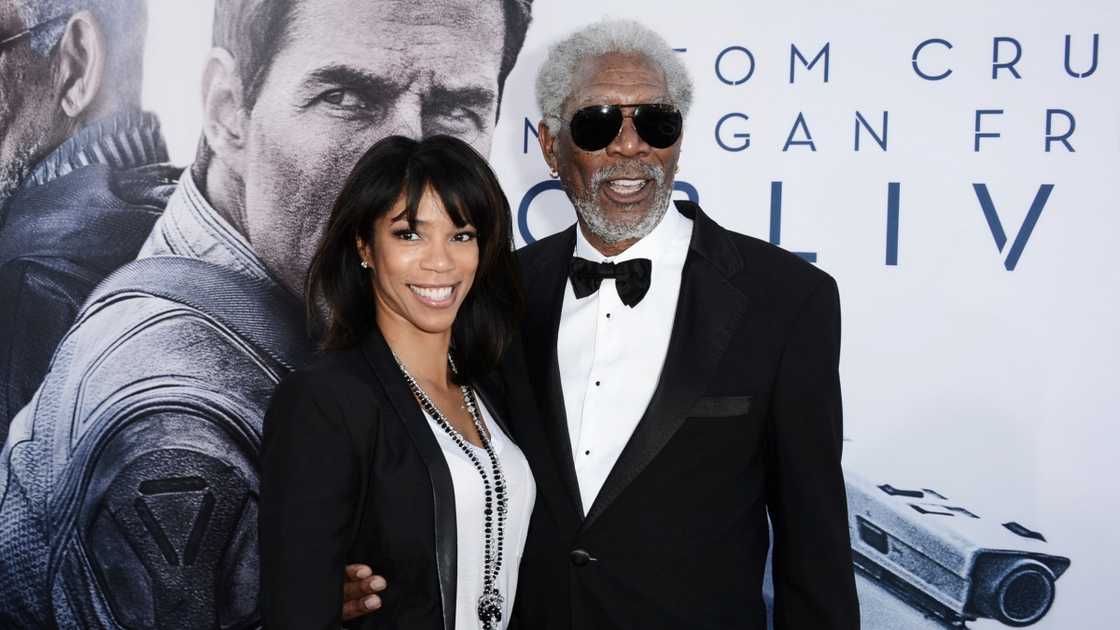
(491, 600)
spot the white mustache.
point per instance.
(626, 171)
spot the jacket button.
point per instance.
(580, 557)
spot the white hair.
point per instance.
(555, 78)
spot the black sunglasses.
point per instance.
(595, 127)
(12, 39)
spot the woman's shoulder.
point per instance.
(342, 375)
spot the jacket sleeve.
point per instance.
(814, 582)
(40, 302)
(310, 482)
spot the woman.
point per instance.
(387, 450)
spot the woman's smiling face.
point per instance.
(421, 276)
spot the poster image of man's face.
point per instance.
(23, 89)
(346, 75)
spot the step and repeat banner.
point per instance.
(955, 167)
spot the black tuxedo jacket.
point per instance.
(745, 420)
(351, 473)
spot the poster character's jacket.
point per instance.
(128, 486)
(82, 212)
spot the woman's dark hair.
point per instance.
(401, 168)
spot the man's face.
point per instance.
(350, 74)
(620, 192)
(25, 123)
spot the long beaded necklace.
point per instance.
(491, 600)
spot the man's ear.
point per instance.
(81, 65)
(548, 146)
(224, 119)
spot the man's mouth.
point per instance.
(626, 190)
(436, 296)
(627, 186)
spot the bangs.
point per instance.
(466, 196)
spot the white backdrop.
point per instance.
(994, 386)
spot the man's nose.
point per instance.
(403, 118)
(628, 143)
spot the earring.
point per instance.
(365, 265)
(676, 169)
(553, 173)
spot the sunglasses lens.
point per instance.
(658, 125)
(593, 128)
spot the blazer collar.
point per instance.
(407, 411)
(710, 241)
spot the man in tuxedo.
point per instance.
(685, 376)
(687, 380)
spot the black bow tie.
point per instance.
(631, 278)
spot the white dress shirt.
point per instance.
(469, 518)
(610, 355)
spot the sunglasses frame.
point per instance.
(666, 109)
(27, 32)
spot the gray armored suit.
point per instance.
(128, 485)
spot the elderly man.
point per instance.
(686, 375)
(130, 479)
(80, 180)
(686, 379)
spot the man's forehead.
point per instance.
(453, 38)
(618, 77)
(368, 19)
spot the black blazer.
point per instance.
(745, 419)
(351, 473)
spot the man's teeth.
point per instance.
(626, 185)
(436, 294)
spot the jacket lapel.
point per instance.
(709, 309)
(482, 391)
(407, 411)
(545, 303)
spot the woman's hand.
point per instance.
(359, 591)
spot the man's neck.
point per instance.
(225, 192)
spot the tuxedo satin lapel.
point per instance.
(407, 411)
(545, 305)
(709, 310)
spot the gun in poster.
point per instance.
(947, 560)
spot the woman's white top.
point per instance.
(469, 517)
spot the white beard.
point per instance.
(616, 231)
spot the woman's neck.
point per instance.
(422, 353)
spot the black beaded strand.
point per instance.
(496, 498)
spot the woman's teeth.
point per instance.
(435, 294)
(626, 186)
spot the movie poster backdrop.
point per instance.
(953, 166)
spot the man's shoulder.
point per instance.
(558, 244)
(95, 216)
(136, 345)
(768, 269)
(771, 265)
